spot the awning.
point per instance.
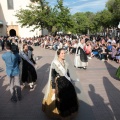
(1, 23)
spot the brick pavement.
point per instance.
(98, 91)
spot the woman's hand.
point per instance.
(53, 91)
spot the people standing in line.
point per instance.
(28, 72)
(12, 69)
(81, 59)
(60, 99)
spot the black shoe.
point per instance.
(19, 98)
(84, 68)
(14, 100)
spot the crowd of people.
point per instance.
(60, 98)
(105, 48)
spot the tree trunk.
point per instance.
(50, 30)
(104, 30)
(88, 31)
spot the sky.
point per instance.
(82, 5)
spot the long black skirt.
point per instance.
(83, 56)
(28, 72)
(66, 98)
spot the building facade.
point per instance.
(8, 21)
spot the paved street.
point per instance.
(98, 90)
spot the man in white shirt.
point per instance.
(109, 40)
(113, 41)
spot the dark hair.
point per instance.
(109, 43)
(8, 45)
(30, 48)
(24, 45)
(59, 50)
(103, 45)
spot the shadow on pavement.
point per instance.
(112, 70)
(30, 107)
(100, 109)
(113, 94)
(4, 93)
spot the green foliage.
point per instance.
(58, 18)
(63, 17)
(84, 22)
(81, 21)
(35, 15)
(114, 7)
(104, 18)
(44, 16)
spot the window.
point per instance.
(10, 4)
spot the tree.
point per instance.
(97, 22)
(44, 16)
(39, 15)
(90, 22)
(104, 19)
(114, 7)
(81, 22)
(64, 19)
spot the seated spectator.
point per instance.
(45, 43)
(36, 43)
(74, 46)
(118, 55)
(114, 52)
(95, 51)
(102, 41)
(104, 53)
(113, 41)
(88, 49)
(42, 43)
(60, 44)
(94, 40)
(55, 45)
(108, 40)
(109, 47)
(65, 45)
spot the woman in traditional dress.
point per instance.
(28, 72)
(60, 99)
(81, 59)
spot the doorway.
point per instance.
(12, 32)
